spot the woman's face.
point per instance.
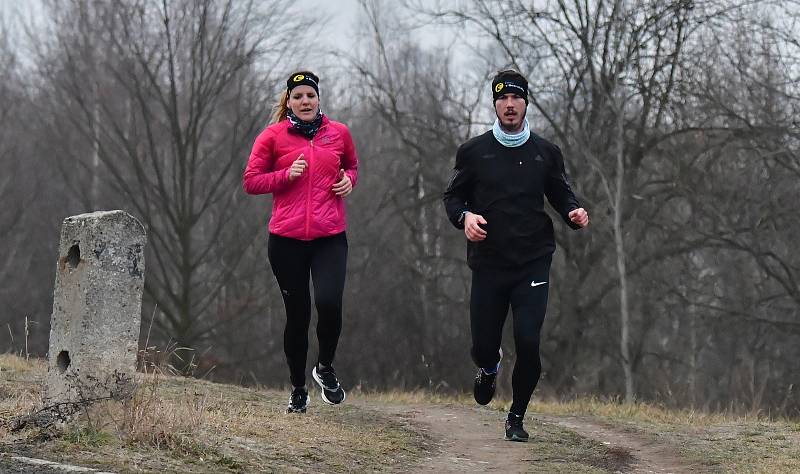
(304, 102)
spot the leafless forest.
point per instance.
(678, 120)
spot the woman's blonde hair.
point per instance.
(281, 107)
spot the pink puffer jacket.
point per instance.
(305, 208)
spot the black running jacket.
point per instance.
(507, 187)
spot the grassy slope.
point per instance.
(177, 424)
(719, 442)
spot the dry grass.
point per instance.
(150, 419)
(727, 442)
(417, 396)
(645, 412)
(19, 386)
(178, 424)
(11, 364)
(719, 441)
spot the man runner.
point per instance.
(496, 194)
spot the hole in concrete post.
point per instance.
(74, 256)
(63, 361)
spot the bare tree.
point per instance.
(602, 79)
(13, 185)
(677, 120)
(750, 90)
(415, 117)
(154, 105)
(616, 83)
(10, 216)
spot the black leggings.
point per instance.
(525, 290)
(291, 261)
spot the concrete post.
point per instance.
(97, 300)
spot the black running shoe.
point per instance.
(298, 401)
(485, 384)
(332, 392)
(514, 429)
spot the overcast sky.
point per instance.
(341, 14)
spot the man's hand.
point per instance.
(297, 168)
(344, 186)
(472, 230)
(579, 216)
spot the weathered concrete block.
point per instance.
(94, 328)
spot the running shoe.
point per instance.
(514, 429)
(485, 384)
(298, 401)
(325, 377)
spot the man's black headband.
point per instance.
(509, 82)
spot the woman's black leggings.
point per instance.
(525, 290)
(292, 260)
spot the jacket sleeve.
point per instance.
(558, 190)
(259, 176)
(350, 158)
(459, 190)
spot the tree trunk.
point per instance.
(619, 241)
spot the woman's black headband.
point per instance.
(303, 78)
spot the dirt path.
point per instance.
(10, 463)
(649, 456)
(471, 440)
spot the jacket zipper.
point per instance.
(308, 192)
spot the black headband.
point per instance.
(303, 78)
(509, 82)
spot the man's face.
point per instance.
(510, 109)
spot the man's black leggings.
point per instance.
(525, 290)
(292, 260)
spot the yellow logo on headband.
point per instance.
(498, 87)
(298, 78)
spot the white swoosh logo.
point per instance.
(538, 283)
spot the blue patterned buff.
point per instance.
(511, 140)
